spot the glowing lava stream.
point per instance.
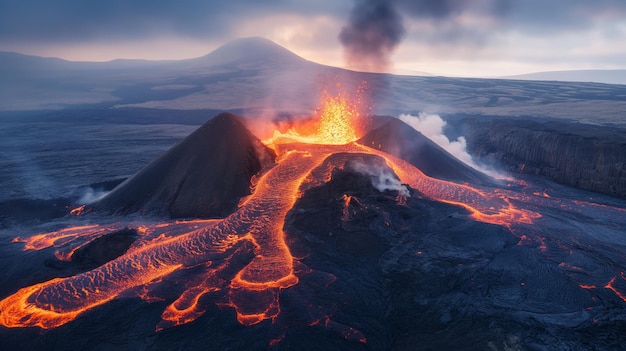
(259, 221)
(256, 227)
(484, 207)
(245, 254)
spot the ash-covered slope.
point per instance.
(399, 139)
(203, 176)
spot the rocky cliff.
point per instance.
(588, 157)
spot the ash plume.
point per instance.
(375, 27)
(373, 31)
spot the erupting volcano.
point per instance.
(370, 236)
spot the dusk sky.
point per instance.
(450, 37)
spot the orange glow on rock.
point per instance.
(610, 286)
(77, 211)
(583, 286)
(346, 207)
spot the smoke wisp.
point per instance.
(92, 195)
(382, 178)
(431, 126)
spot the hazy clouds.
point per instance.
(71, 20)
(77, 20)
(420, 32)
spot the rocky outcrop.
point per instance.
(584, 156)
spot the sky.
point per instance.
(445, 37)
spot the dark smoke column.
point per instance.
(373, 32)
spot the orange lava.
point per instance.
(610, 286)
(334, 124)
(346, 207)
(483, 206)
(583, 286)
(62, 237)
(78, 211)
(214, 248)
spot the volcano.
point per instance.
(203, 176)
(375, 239)
(399, 139)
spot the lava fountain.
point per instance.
(336, 120)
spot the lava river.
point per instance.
(243, 258)
(255, 226)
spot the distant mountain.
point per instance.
(617, 76)
(242, 74)
(250, 50)
(262, 78)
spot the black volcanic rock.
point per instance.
(401, 140)
(104, 249)
(394, 269)
(203, 176)
(35, 210)
(588, 157)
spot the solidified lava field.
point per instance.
(341, 244)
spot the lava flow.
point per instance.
(244, 256)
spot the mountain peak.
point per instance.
(252, 49)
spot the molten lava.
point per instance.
(334, 124)
(244, 255)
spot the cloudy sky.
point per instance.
(452, 37)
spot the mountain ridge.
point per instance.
(265, 50)
(232, 51)
(256, 74)
(250, 48)
(606, 76)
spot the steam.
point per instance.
(431, 126)
(92, 195)
(373, 31)
(382, 178)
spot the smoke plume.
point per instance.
(373, 31)
(431, 126)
